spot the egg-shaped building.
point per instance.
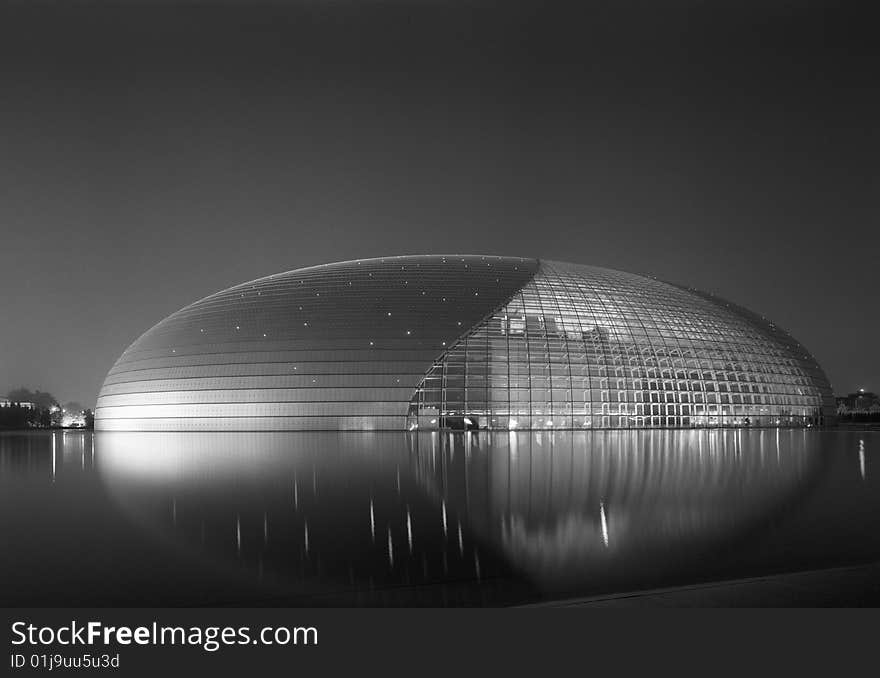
(461, 341)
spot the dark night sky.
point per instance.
(152, 154)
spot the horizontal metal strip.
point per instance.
(204, 372)
(284, 416)
(320, 351)
(235, 383)
(224, 397)
(358, 424)
(245, 410)
(259, 351)
(304, 364)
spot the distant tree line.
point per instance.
(39, 409)
(16, 416)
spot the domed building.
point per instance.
(461, 342)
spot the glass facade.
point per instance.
(586, 347)
(427, 342)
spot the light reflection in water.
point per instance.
(572, 507)
(561, 510)
(862, 458)
(440, 519)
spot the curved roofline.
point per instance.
(331, 263)
(605, 311)
(441, 255)
(354, 261)
(538, 261)
(390, 256)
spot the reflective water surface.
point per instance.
(423, 519)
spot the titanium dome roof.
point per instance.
(461, 341)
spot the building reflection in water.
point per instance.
(329, 513)
(591, 509)
(321, 514)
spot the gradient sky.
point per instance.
(152, 154)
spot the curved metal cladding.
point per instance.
(339, 346)
(427, 342)
(581, 346)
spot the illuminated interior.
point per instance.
(586, 347)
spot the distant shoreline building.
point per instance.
(860, 404)
(462, 342)
(6, 402)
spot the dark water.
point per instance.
(427, 519)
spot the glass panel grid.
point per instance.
(585, 347)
